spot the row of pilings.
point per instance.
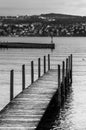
(65, 81)
(58, 100)
(46, 67)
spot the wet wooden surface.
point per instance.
(26, 110)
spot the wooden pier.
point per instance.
(27, 111)
(27, 45)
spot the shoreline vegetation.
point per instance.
(44, 25)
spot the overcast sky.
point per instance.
(31, 7)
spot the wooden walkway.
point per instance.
(26, 110)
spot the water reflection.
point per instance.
(63, 119)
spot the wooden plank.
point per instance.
(26, 110)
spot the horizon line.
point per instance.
(42, 14)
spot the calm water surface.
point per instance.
(73, 115)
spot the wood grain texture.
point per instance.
(26, 110)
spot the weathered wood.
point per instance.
(67, 72)
(71, 69)
(48, 61)
(44, 64)
(26, 110)
(59, 86)
(39, 68)
(11, 85)
(66, 78)
(32, 72)
(23, 77)
(63, 80)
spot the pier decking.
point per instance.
(26, 110)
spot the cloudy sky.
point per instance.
(31, 7)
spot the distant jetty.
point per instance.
(27, 45)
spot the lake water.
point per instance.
(73, 115)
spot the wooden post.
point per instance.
(48, 61)
(66, 75)
(44, 64)
(32, 72)
(59, 86)
(63, 79)
(11, 84)
(71, 68)
(39, 68)
(67, 67)
(23, 77)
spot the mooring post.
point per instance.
(11, 84)
(63, 80)
(44, 64)
(71, 68)
(32, 72)
(66, 75)
(23, 77)
(59, 86)
(39, 68)
(48, 61)
(67, 68)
